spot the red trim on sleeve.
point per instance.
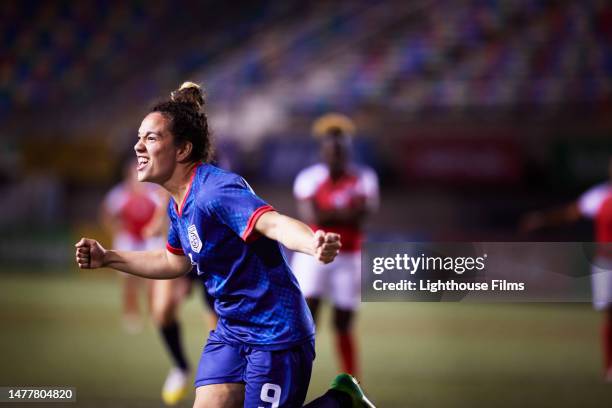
(249, 234)
(175, 251)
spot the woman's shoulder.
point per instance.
(215, 182)
(214, 177)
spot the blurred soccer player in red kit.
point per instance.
(336, 195)
(595, 204)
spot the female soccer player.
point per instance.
(262, 350)
(595, 204)
(336, 195)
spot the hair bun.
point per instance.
(189, 84)
(189, 92)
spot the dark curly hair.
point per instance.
(188, 121)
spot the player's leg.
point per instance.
(130, 286)
(219, 396)
(165, 299)
(132, 321)
(345, 339)
(278, 378)
(313, 305)
(606, 337)
(220, 380)
(601, 281)
(345, 295)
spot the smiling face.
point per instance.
(155, 150)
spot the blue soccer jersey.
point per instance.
(257, 298)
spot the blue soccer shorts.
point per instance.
(272, 378)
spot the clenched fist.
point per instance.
(89, 254)
(327, 245)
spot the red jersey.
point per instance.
(134, 209)
(603, 221)
(359, 185)
(596, 204)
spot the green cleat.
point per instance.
(348, 384)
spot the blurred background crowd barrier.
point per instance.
(471, 111)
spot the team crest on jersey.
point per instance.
(194, 239)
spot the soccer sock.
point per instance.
(606, 337)
(172, 337)
(345, 344)
(331, 399)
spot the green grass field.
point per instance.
(64, 329)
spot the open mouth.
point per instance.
(142, 163)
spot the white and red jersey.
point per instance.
(359, 185)
(596, 203)
(134, 208)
